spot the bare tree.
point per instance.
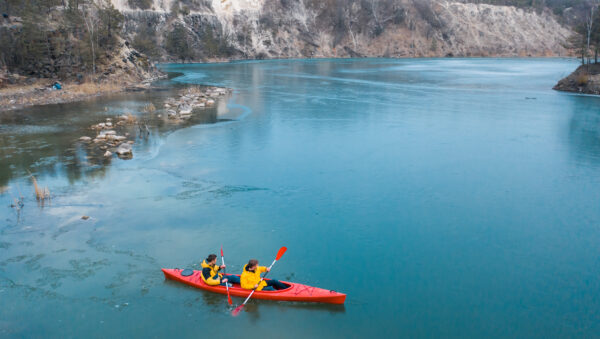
(91, 22)
(589, 23)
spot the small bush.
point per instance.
(582, 79)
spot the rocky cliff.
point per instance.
(255, 29)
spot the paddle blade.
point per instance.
(237, 310)
(222, 251)
(229, 300)
(281, 252)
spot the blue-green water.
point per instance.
(446, 197)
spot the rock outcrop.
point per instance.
(257, 29)
(585, 79)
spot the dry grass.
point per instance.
(91, 88)
(582, 79)
(40, 193)
(131, 119)
(149, 108)
(194, 90)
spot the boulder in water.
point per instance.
(124, 149)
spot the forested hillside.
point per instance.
(66, 39)
(101, 38)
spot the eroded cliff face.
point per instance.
(255, 29)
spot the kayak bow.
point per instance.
(296, 292)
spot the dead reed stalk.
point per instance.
(149, 108)
(40, 193)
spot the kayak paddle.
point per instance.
(227, 283)
(279, 255)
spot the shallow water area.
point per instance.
(446, 197)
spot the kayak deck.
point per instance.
(295, 292)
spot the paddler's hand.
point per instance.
(225, 280)
(256, 286)
(222, 266)
(268, 269)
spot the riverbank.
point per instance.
(585, 79)
(38, 92)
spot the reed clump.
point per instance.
(41, 194)
(149, 108)
(130, 118)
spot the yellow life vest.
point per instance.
(249, 279)
(215, 276)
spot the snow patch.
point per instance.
(157, 5)
(228, 8)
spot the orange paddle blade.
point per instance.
(281, 252)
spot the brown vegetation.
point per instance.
(582, 79)
(40, 193)
(40, 93)
(149, 108)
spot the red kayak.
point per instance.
(296, 292)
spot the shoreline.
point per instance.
(39, 93)
(227, 61)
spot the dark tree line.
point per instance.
(587, 39)
(57, 37)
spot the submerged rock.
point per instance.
(124, 149)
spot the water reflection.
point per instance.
(218, 302)
(45, 140)
(584, 130)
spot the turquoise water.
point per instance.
(446, 197)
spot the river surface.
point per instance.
(446, 197)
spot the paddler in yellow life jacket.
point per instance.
(211, 275)
(251, 277)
